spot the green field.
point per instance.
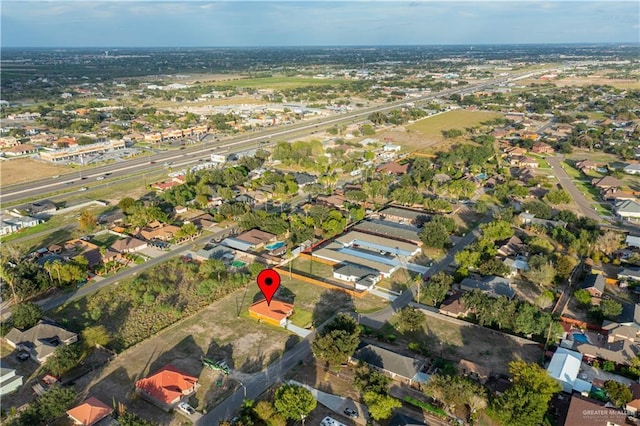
(278, 82)
(456, 119)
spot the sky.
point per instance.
(109, 23)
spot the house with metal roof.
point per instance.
(492, 286)
(9, 380)
(388, 229)
(565, 367)
(398, 367)
(363, 277)
(628, 210)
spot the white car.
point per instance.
(186, 408)
(84, 188)
(100, 178)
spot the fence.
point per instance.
(284, 272)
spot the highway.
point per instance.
(197, 151)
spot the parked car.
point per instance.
(84, 188)
(351, 413)
(22, 356)
(186, 408)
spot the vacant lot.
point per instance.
(243, 343)
(25, 169)
(277, 83)
(425, 135)
(486, 347)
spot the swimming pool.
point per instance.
(238, 264)
(580, 337)
(275, 246)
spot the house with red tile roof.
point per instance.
(166, 387)
(275, 313)
(90, 412)
(393, 168)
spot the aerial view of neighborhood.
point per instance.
(425, 231)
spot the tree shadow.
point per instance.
(330, 303)
(185, 355)
(253, 364)
(284, 294)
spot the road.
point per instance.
(60, 299)
(191, 154)
(567, 184)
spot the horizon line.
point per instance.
(572, 43)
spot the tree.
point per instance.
(583, 297)
(493, 266)
(131, 419)
(435, 290)
(264, 411)
(564, 266)
(96, 335)
(497, 230)
(380, 406)
(87, 221)
(410, 319)
(337, 341)
(126, 203)
(368, 380)
(618, 393)
(609, 242)
(47, 407)
(557, 196)
(294, 402)
(454, 391)
(64, 358)
(25, 315)
(541, 270)
(434, 235)
(526, 402)
(610, 308)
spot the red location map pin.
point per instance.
(268, 281)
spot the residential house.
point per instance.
(492, 286)
(393, 168)
(589, 412)
(333, 200)
(398, 367)
(594, 284)
(254, 239)
(564, 368)
(166, 387)
(128, 245)
(83, 248)
(586, 165)
(388, 229)
(9, 380)
(605, 183)
(629, 274)
(516, 266)
(90, 412)
(22, 149)
(530, 219)
(11, 224)
(40, 207)
(303, 179)
(363, 277)
(616, 196)
(632, 241)
(512, 247)
(620, 346)
(633, 406)
(41, 340)
(628, 210)
(158, 231)
(542, 148)
(522, 161)
(275, 313)
(453, 306)
(217, 252)
(404, 216)
(515, 151)
(632, 169)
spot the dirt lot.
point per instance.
(243, 343)
(13, 171)
(486, 347)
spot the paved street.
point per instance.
(567, 184)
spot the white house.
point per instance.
(564, 367)
(628, 210)
(632, 169)
(9, 381)
(363, 277)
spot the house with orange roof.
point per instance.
(166, 387)
(90, 412)
(393, 168)
(275, 313)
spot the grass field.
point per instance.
(25, 169)
(278, 83)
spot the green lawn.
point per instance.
(302, 318)
(314, 268)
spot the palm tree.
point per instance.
(8, 276)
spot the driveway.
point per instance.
(567, 184)
(337, 403)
